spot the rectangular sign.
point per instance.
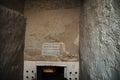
(51, 49)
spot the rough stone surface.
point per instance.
(12, 31)
(51, 4)
(51, 26)
(17, 5)
(100, 40)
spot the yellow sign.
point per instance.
(48, 70)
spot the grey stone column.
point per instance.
(100, 40)
(12, 35)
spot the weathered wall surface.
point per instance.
(51, 25)
(12, 32)
(17, 5)
(100, 40)
(52, 4)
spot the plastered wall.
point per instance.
(51, 25)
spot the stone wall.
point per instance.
(51, 26)
(51, 4)
(17, 5)
(12, 31)
(100, 40)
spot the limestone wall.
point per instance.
(47, 23)
(100, 40)
(12, 35)
(17, 5)
(51, 4)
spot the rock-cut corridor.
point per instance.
(99, 35)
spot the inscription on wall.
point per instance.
(51, 49)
